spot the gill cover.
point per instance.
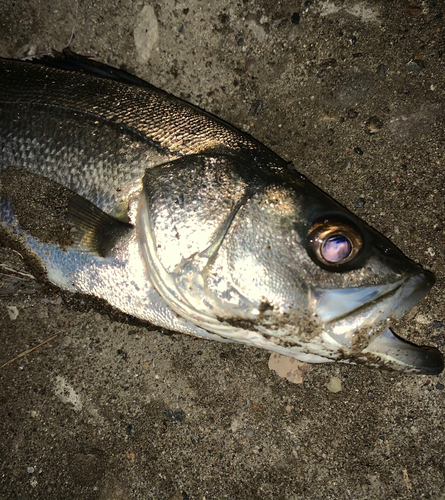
(185, 211)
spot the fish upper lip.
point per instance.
(333, 300)
(408, 291)
(375, 300)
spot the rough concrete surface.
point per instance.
(352, 92)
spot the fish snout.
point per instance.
(357, 324)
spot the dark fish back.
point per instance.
(171, 123)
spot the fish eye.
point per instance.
(336, 248)
(333, 243)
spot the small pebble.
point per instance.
(415, 64)
(13, 312)
(235, 425)
(352, 113)
(382, 70)
(439, 386)
(175, 415)
(422, 319)
(430, 251)
(334, 385)
(358, 150)
(289, 368)
(373, 124)
(30, 470)
(437, 324)
(295, 18)
(413, 10)
(360, 203)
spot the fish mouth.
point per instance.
(357, 321)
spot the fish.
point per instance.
(118, 190)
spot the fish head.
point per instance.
(270, 260)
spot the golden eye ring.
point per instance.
(334, 243)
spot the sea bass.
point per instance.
(175, 217)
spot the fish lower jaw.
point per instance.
(385, 350)
(388, 351)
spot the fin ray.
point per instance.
(93, 230)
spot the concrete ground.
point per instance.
(113, 410)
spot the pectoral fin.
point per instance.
(53, 214)
(93, 230)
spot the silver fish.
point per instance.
(177, 218)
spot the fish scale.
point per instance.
(107, 161)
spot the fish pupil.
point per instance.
(336, 248)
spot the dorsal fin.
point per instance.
(71, 61)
